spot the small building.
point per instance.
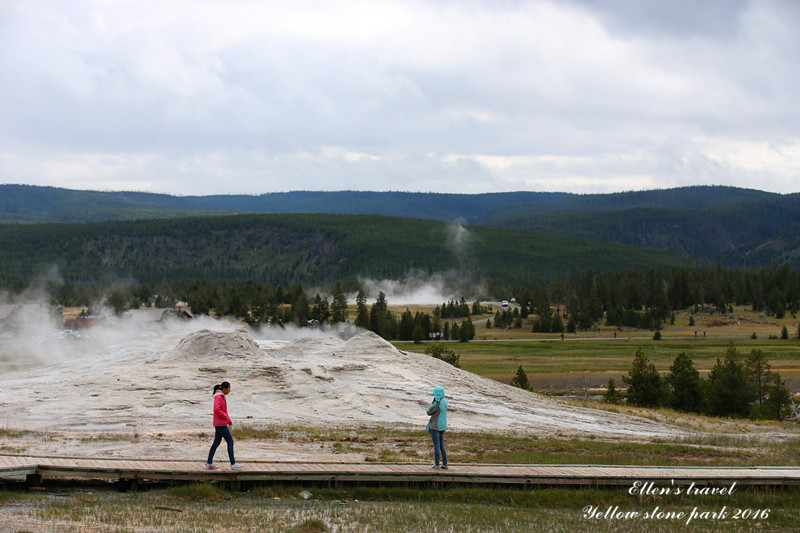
(143, 316)
(180, 313)
(82, 322)
(152, 315)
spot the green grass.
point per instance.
(13, 433)
(9, 496)
(197, 492)
(113, 437)
(549, 362)
(396, 509)
(695, 451)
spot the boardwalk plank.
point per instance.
(618, 475)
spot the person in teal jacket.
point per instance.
(437, 426)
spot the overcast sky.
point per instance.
(234, 96)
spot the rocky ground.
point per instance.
(129, 391)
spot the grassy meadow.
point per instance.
(293, 509)
(558, 367)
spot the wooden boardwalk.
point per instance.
(390, 473)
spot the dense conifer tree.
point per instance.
(759, 369)
(362, 313)
(378, 315)
(779, 400)
(687, 391)
(321, 311)
(520, 380)
(339, 304)
(646, 388)
(730, 388)
(301, 309)
(406, 326)
(418, 335)
(612, 394)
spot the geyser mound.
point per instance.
(207, 344)
(165, 382)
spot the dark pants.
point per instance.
(438, 447)
(221, 432)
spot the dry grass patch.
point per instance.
(395, 509)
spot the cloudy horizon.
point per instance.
(243, 97)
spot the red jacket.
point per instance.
(221, 417)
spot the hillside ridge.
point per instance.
(733, 226)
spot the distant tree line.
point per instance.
(415, 327)
(631, 298)
(648, 299)
(737, 386)
(259, 304)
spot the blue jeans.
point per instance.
(221, 432)
(438, 447)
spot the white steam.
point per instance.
(414, 289)
(460, 240)
(420, 288)
(290, 332)
(33, 334)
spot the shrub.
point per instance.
(312, 525)
(440, 351)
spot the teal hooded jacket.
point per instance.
(438, 410)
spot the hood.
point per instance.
(438, 393)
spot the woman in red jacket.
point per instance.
(222, 423)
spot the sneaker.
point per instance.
(444, 467)
(236, 466)
(435, 467)
(211, 466)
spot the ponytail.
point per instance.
(223, 385)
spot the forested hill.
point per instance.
(735, 227)
(308, 249)
(25, 203)
(748, 235)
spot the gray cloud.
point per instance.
(677, 19)
(232, 97)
